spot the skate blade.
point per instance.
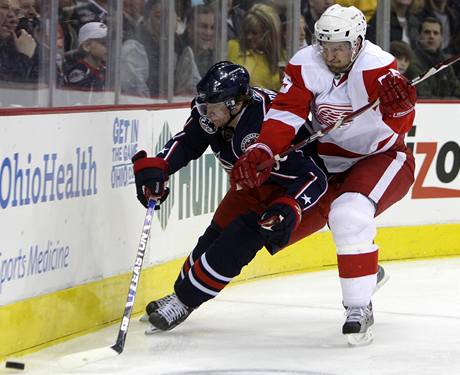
(151, 330)
(360, 339)
(144, 318)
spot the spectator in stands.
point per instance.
(368, 7)
(428, 53)
(140, 56)
(86, 11)
(404, 22)
(197, 52)
(259, 49)
(449, 18)
(408, 65)
(284, 40)
(65, 10)
(29, 18)
(132, 14)
(18, 49)
(88, 72)
(404, 56)
(234, 20)
(312, 12)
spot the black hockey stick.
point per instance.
(83, 358)
(321, 133)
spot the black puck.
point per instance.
(16, 365)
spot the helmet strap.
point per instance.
(355, 53)
(228, 131)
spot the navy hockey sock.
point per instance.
(229, 253)
(211, 233)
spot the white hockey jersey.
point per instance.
(310, 87)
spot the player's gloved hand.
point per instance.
(397, 96)
(151, 175)
(244, 173)
(278, 222)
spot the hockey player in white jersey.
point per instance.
(370, 166)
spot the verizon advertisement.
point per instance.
(68, 208)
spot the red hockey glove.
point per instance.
(244, 173)
(150, 175)
(279, 221)
(397, 96)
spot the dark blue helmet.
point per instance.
(225, 82)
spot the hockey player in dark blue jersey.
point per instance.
(226, 115)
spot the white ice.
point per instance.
(292, 325)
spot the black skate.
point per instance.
(152, 306)
(168, 316)
(358, 324)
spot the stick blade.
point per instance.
(80, 359)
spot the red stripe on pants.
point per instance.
(186, 265)
(205, 279)
(358, 265)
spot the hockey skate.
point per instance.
(152, 306)
(382, 278)
(357, 327)
(166, 317)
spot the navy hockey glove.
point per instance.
(397, 96)
(278, 222)
(151, 175)
(244, 173)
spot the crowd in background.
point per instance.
(423, 33)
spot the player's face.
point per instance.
(336, 55)
(217, 113)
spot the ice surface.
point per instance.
(292, 325)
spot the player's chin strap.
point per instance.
(341, 121)
(228, 131)
(354, 56)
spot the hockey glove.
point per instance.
(151, 175)
(244, 173)
(278, 222)
(397, 96)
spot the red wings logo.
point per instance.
(328, 114)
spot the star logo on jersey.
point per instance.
(306, 200)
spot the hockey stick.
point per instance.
(321, 133)
(80, 359)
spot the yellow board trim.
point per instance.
(38, 322)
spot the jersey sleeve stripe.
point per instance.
(285, 117)
(171, 150)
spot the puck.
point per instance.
(16, 365)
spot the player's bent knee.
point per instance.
(236, 246)
(351, 220)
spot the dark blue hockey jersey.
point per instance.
(299, 174)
